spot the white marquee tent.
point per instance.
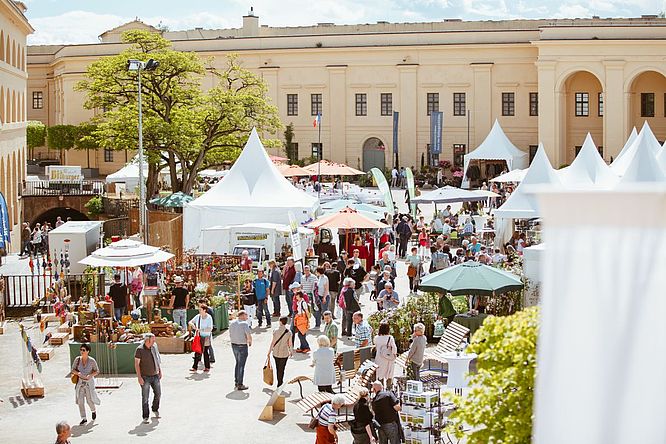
(627, 144)
(588, 169)
(129, 175)
(252, 191)
(643, 165)
(521, 204)
(661, 158)
(650, 142)
(515, 176)
(496, 146)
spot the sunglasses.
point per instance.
(83, 350)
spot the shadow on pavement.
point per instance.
(79, 430)
(237, 395)
(144, 429)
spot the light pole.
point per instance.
(138, 66)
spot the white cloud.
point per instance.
(72, 27)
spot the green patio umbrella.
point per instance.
(471, 278)
(175, 200)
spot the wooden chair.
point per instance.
(453, 336)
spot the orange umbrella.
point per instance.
(292, 170)
(329, 168)
(277, 159)
(346, 218)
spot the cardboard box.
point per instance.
(170, 345)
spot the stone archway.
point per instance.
(52, 215)
(582, 109)
(647, 102)
(374, 154)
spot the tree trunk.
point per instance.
(175, 183)
(88, 156)
(151, 180)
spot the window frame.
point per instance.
(386, 104)
(316, 104)
(459, 151)
(645, 103)
(361, 104)
(582, 104)
(108, 155)
(459, 104)
(534, 104)
(600, 104)
(292, 105)
(38, 99)
(432, 102)
(508, 104)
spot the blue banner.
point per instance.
(436, 120)
(395, 131)
(4, 223)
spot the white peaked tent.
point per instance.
(129, 175)
(252, 191)
(522, 205)
(516, 176)
(643, 165)
(627, 144)
(588, 169)
(661, 158)
(496, 146)
(650, 142)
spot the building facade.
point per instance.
(543, 80)
(14, 28)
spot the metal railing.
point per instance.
(63, 188)
(24, 290)
(119, 226)
(118, 207)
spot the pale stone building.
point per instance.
(544, 80)
(14, 28)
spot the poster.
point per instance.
(297, 252)
(5, 235)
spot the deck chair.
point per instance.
(365, 374)
(453, 336)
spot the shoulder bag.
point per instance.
(314, 422)
(196, 342)
(73, 377)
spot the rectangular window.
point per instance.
(459, 106)
(533, 150)
(578, 148)
(292, 104)
(387, 104)
(433, 102)
(315, 104)
(317, 149)
(534, 104)
(508, 104)
(601, 104)
(458, 153)
(582, 104)
(37, 100)
(601, 150)
(647, 104)
(108, 155)
(361, 104)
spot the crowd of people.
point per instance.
(35, 240)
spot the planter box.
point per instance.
(220, 317)
(170, 345)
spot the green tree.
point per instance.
(181, 124)
(35, 136)
(61, 137)
(288, 143)
(85, 139)
(498, 407)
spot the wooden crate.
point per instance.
(170, 345)
(58, 338)
(64, 328)
(46, 353)
(48, 317)
(31, 390)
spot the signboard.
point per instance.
(5, 237)
(436, 119)
(396, 116)
(411, 190)
(297, 252)
(63, 173)
(251, 236)
(384, 189)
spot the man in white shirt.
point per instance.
(394, 177)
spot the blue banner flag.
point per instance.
(395, 131)
(5, 237)
(436, 120)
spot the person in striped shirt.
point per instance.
(363, 334)
(327, 417)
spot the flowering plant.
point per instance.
(444, 164)
(458, 173)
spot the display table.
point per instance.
(220, 316)
(471, 322)
(121, 356)
(458, 369)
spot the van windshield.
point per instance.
(253, 252)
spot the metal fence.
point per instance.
(119, 226)
(118, 207)
(24, 290)
(63, 188)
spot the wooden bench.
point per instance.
(299, 380)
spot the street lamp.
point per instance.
(138, 66)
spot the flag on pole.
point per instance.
(317, 121)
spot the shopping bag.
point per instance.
(268, 372)
(196, 343)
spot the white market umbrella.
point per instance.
(515, 176)
(485, 193)
(448, 194)
(126, 253)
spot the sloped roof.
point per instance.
(523, 205)
(588, 169)
(113, 34)
(254, 181)
(497, 146)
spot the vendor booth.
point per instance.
(496, 147)
(253, 191)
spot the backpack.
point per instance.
(441, 260)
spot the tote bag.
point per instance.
(268, 372)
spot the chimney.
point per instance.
(250, 24)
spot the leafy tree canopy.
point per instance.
(62, 137)
(36, 134)
(498, 407)
(181, 123)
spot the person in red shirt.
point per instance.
(288, 274)
(246, 261)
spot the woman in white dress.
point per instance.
(386, 354)
(323, 360)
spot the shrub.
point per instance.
(94, 206)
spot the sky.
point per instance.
(81, 21)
